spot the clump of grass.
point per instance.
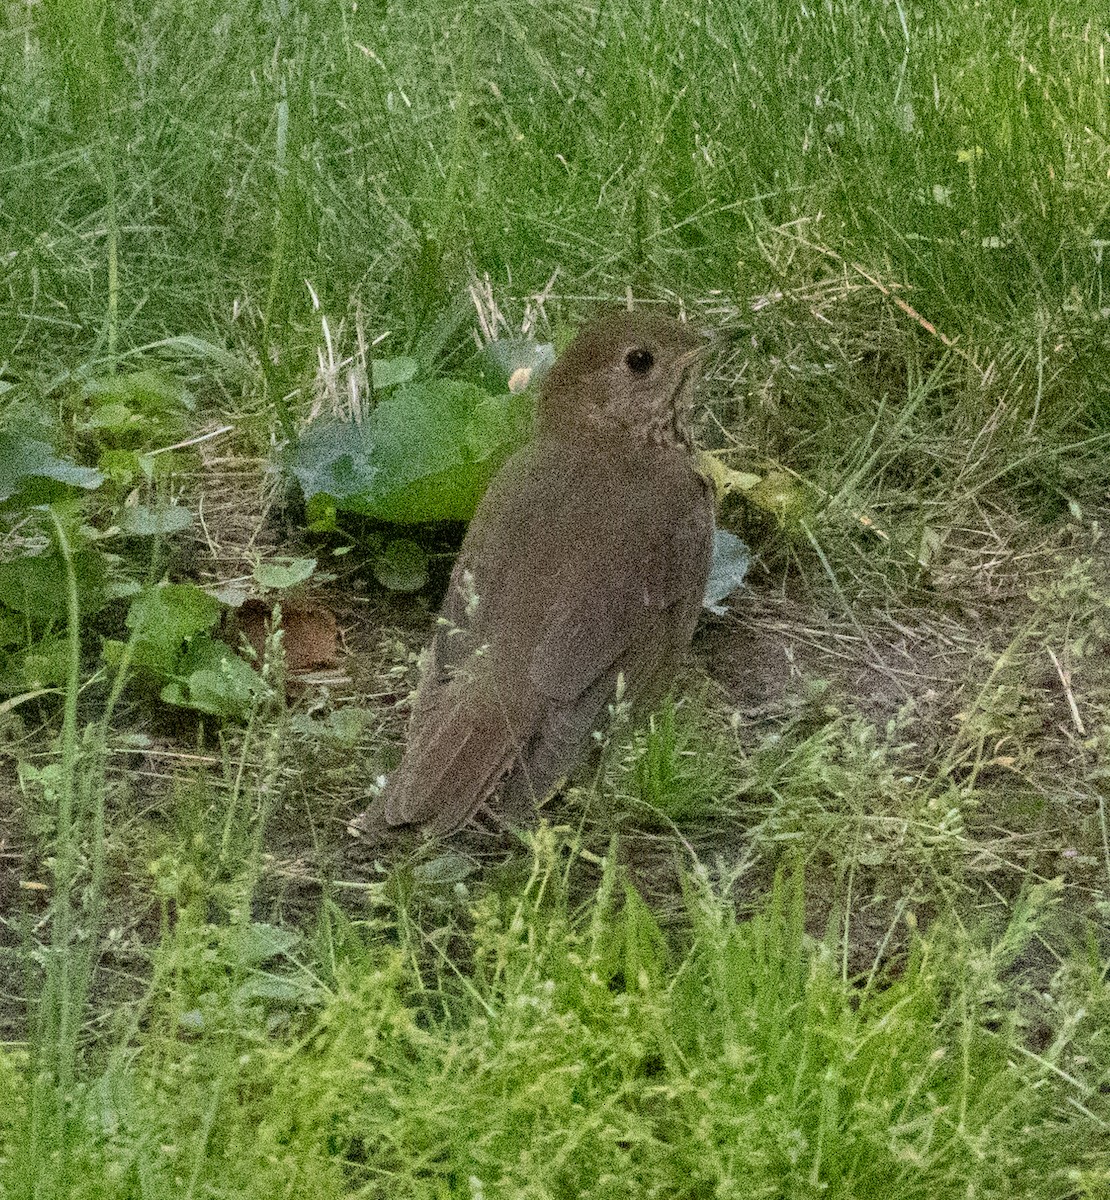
(580, 1055)
(679, 765)
(854, 795)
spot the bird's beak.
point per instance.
(696, 356)
(686, 368)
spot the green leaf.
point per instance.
(122, 588)
(780, 494)
(123, 467)
(283, 572)
(497, 426)
(402, 566)
(231, 595)
(13, 629)
(731, 560)
(330, 462)
(35, 585)
(321, 514)
(426, 452)
(213, 679)
(165, 619)
(445, 870)
(127, 410)
(257, 942)
(512, 364)
(115, 417)
(388, 372)
(187, 346)
(24, 460)
(281, 989)
(148, 392)
(140, 521)
(42, 664)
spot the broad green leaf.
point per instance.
(278, 573)
(232, 595)
(258, 942)
(164, 619)
(723, 478)
(13, 629)
(124, 467)
(426, 452)
(148, 392)
(498, 425)
(321, 514)
(388, 372)
(115, 417)
(34, 585)
(25, 461)
(42, 664)
(444, 870)
(780, 494)
(342, 727)
(140, 521)
(280, 989)
(402, 566)
(128, 410)
(215, 680)
(331, 463)
(122, 588)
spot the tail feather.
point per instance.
(452, 765)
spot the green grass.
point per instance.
(899, 218)
(578, 1055)
(229, 154)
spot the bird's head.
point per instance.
(626, 375)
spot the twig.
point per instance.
(1065, 683)
(193, 441)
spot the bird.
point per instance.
(580, 576)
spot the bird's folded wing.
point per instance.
(632, 619)
(585, 617)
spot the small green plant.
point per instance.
(424, 453)
(848, 795)
(677, 764)
(33, 639)
(172, 646)
(116, 551)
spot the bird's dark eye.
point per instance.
(639, 361)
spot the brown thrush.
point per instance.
(586, 560)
